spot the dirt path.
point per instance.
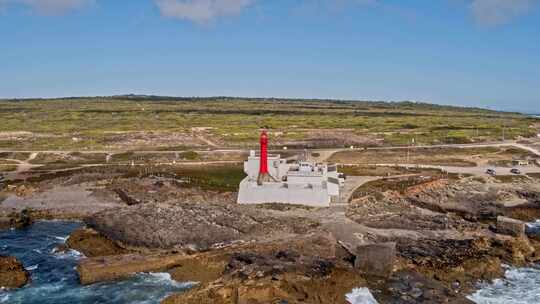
(323, 152)
(22, 166)
(351, 184)
(479, 170)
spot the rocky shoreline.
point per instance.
(263, 254)
(414, 240)
(12, 273)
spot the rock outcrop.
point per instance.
(510, 226)
(92, 244)
(376, 259)
(12, 273)
(199, 267)
(194, 226)
(304, 270)
(17, 220)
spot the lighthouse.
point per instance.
(272, 179)
(264, 175)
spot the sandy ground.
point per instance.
(76, 200)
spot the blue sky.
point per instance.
(461, 52)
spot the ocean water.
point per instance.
(54, 279)
(520, 286)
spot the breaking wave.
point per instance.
(360, 296)
(55, 281)
(519, 286)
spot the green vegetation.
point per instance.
(222, 178)
(214, 177)
(534, 175)
(386, 171)
(127, 121)
(14, 155)
(377, 187)
(7, 168)
(508, 179)
(441, 156)
(7, 162)
(190, 155)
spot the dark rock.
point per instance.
(402, 288)
(312, 255)
(5, 223)
(510, 226)
(249, 284)
(18, 220)
(441, 253)
(23, 219)
(376, 259)
(92, 244)
(12, 273)
(528, 212)
(130, 201)
(60, 248)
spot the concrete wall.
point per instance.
(275, 167)
(251, 193)
(304, 179)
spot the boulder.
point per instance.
(5, 223)
(376, 259)
(509, 226)
(126, 198)
(12, 273)
(92, 244)
(16, 220)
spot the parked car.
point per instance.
(491, 172)
(515, 171)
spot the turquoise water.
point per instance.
(54, 279)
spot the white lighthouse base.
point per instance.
(280, 192)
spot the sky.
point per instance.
(460, 52)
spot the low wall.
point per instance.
(251, 193)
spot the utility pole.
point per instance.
(409, 150)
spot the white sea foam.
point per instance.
(62, 238)
(70, 254)
(4, 298)
(33, 267)
(535, 224)
(520, 286)
(360, 296)
(166, 278)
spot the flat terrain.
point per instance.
(160, 123)
(155, 176)
(442, 156)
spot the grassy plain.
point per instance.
(161, 123)
(442, 156)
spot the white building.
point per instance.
(304, 183)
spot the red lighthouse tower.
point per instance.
(263, 168)
(264, 175)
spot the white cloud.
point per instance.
(201, 11)
(49, 7)
(497, 12)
